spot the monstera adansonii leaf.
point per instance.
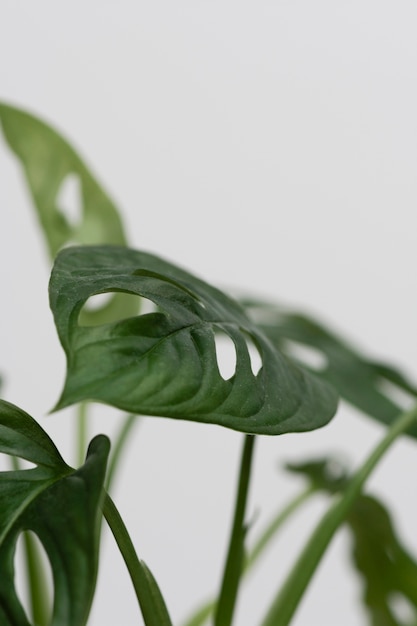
(164, 363)
(49, 162)
(61, 506)
(388, 571)
(366, 384)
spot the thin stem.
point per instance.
(150, 599)
(38, 589)
(202, 614)
(274, 526)
(118, 446)
(39, 592)
(287, 600)
(82, 433)
(235, 557)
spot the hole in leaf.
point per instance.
(147, 306)
(102, 308)
(7, 463)
(68, 199)
(254, 354)
(306, 355)
(225, 354)
(97, 302)
(334, 470)
(29, 540)
(403, 610)
(394, 393)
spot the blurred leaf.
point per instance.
(49, 162)
(165, 363)
(388, 571)
(60, 505)
(327, 473)
(362, 382)
(292, 591)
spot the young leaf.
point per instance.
(164, 363)
(60, 505)
(358, 380)
(48, 161)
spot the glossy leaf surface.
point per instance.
(165, 363)
(48, 162)
(364, 383)
(60, 505)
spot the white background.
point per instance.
(268, 146)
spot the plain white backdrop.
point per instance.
(266, 146)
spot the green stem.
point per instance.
(120, 442)
(275, 524)
(82, 433)
(39, 593)
(235, 557)
(203, 612)
(38, 588)
(287, 600)
(150, 599)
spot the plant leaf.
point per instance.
(289, 596)
(165, 363)
(60, 505)
(388, 571)
(358, 380)
(48, 160)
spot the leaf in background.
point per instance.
(327, 473)
(60, 505)
(362, 382)
(389, 573)
(49, 162)
(165, 363)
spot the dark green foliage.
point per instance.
(362, 382)
(60, 505)
(164, 363)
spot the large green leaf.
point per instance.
(164, 363)
(48, 160)
(61, 505)
(364, 383)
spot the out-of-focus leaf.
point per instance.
(61, 505)
(165, 363)
(388, 571)
(362, 382)
(48, 161)
(327, 473)
(290, 594)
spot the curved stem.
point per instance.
(150, 599)
(287, 600)
(235, 557)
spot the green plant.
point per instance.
(164, 363)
